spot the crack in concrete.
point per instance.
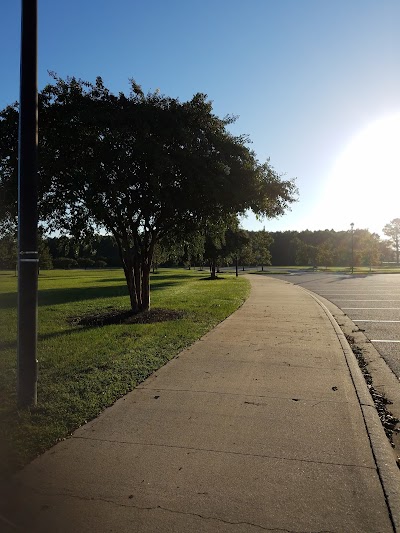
(9, 523)
(227, 452)
(174, 511)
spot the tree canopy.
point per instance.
(144, 167)
(392, 230)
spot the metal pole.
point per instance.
(352, 247)
(27, 209)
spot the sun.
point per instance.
(364, 184)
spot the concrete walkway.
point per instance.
(256, 427)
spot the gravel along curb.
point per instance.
(385, 461)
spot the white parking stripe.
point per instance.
(371, 308)
(379, 340)
(385, 321)
(352, 300)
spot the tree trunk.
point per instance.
(213, 268)
(137, 262)
(130, 281)
(145, 303)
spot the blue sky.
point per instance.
(307, 78)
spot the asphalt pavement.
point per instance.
(264, 424)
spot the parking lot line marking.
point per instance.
(379, 340)
(371, 308)
(358, 294)
(351, 300)
(386, 321)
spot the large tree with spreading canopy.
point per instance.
(143, 167)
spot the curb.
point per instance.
(388, 471)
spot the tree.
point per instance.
(143, 167)
(261, 242)
(305, 254)
(236, 239)
(65, 263)
(246, 256)
(107, 250)
(8, 252)
(45, 258)
(283, 252)
(325, 254)
(392, 230)
(370, 249)
(214, 243)
(85, 262)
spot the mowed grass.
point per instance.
(82, 370)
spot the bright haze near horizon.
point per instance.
(315, 84)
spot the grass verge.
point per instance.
(84, 369)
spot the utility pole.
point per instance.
(28, 260)
(352, 247)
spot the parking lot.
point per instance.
(372, 302)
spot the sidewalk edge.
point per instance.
(387, 469)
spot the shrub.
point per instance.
(65, 263)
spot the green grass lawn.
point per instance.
(84, 369)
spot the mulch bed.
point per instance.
(123, 316)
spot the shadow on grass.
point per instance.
(157, 276)
(105, 318)
(9, 345)
(68, 295)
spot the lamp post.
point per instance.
(352, 247)
(27, 210)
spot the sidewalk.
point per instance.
(256, 427)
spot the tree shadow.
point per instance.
(99, 320)
(347, 277)
(158, 276)
(69, 295)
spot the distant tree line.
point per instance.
(326, 248)
(220, 245)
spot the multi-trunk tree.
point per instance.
(144, 167)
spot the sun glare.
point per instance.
(364, 184)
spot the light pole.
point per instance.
(27, 210)
(352, 247)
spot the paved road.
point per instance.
(372, 302)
